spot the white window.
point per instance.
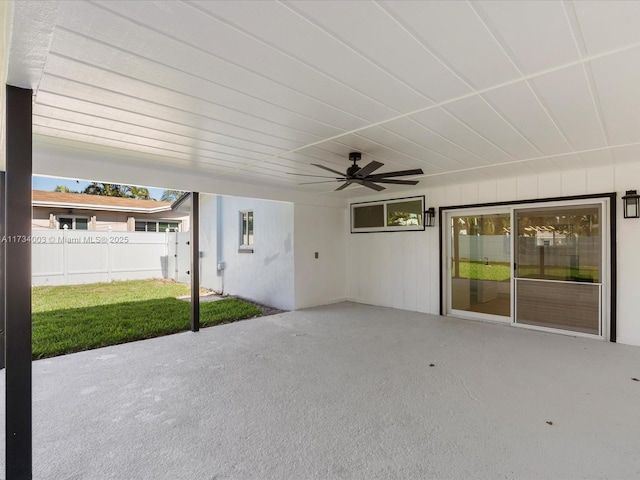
(246, 230)
(156, 226)
(73, 223)
(388, 215)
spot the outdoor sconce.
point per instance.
(430, 217)
(631, 204)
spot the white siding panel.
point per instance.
(412, 246)
(574, 182)
(398, 276)
(487, 192)
(527, 187)
(600, 179)
(507, 189)
(628, 331)
(453, 195)
(469, 194)
(321, 280)
(549, 185)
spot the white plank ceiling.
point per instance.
(253, 91)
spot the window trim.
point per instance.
(387, 228)
(246, 247)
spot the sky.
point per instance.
(50, 183)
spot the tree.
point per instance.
(62, 188)
(116, 190)
(137, 192)
(104, 189)
(171, 195)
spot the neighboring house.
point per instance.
(79, 211)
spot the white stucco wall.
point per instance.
(266, 275)
(401, 270)
(321, 280)
(282, 271)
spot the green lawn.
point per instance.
(479, 271)
(69, 319)
(501, 271)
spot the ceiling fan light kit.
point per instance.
(364, 176)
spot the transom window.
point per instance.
(388, 215)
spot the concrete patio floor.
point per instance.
(344, 391)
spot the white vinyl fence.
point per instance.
(71, 257)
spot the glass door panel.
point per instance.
(481, 264)
(559, 268)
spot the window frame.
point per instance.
(387, 228)
(73, 221)
(250, 231)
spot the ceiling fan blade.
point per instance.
(368, 184)
(328, 169)
(321, 181)
(318, 176)
(398, 182)
(343, 186)
(368, 169)
(399, 173)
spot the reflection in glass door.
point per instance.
(558, 278)
(481, 264)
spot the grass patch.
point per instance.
(475, 270)
(501, 271)
(74, 318)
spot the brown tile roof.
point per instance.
(41, 197)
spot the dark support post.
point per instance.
(17, 293)
(2, 232)
(613, 336)
(194, 220)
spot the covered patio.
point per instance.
(470, 109)
(341, 391)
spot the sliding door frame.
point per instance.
(611, 252)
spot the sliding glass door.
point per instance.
(558, 267)
(541, 265)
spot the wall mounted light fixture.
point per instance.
(631, 204)
(430, 217)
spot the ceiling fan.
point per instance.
(364, 176)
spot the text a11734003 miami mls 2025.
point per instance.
(63, 239)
